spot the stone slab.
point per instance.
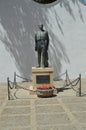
(76, 107)
(16, 110)
(63, 127)
(49, 109)
(2, 97)
(15, 128)
(45, 119)
(56, 113)
(1, 102)
(73, 100)
(42, 70)
(45, 101)
(18, 102)
(81, 117)
(14, 121)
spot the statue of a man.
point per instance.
(41, 46)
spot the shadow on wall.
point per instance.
(19, 19)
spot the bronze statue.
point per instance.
(41, 46)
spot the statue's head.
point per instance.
(40, 26)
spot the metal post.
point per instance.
(15, 79)
(66, 77)
(80, 85)
(8, 88)
(78, 92)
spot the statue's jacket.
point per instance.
(41, 40)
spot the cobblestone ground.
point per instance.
(62, 112)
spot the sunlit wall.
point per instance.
(66, 23)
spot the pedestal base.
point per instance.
(42, 76)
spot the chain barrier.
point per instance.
(10, 87)
(11, 92)
(20, 87)
(68, 82)
(26, 80)
(16, 84)
(72, 85)
(23, 78)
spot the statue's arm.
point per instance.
(35, 42)
(47, 39)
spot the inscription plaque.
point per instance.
(43, 79)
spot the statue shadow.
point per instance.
(62, 89)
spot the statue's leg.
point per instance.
(39, 58)
(46, 59)
(43, 57)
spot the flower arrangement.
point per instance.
(45, 86)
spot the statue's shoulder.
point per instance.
(45, 31)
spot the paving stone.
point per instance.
(3, 97)
(3, 91)
(2, 87)
(22, 94)
(63, 112)
(19, 102)
(67, 128)
(82, 128)
(44, 101)
(43, 119)
(81, 117)
(16, 110)
(1, 102)
(57, 128)
(77, 107)
(15, 128)
(49, 109)
(74, 100)
(14, 121)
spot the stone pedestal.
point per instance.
(42, 76)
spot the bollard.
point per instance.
(15, 79)
(80, 85)
(8, 88)
(78, 93)
(66, 77)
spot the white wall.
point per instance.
(74, 39)
(67, 28)
(7, 65)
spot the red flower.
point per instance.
(44, 86)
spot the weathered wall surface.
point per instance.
(66, 24)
